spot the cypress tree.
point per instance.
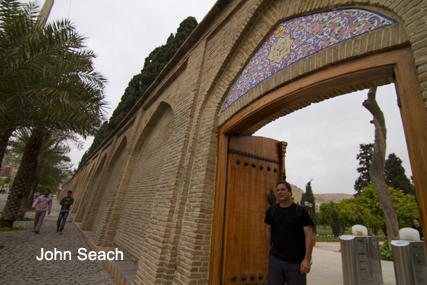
(309, 197)
(395, 175)
(335, 222)
(394, 172)
(139, 83)
(365, 158)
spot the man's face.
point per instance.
(46, 192)
(69, 194)
(282, 193)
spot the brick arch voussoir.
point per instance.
(388, 38)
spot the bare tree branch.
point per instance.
(378, 164)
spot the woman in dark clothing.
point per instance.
(416, 225)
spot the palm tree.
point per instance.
(47, 83)
(44, 71)
(52, 165)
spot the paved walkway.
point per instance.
(327, 266)
(19, 266)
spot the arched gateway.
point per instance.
(174, 203)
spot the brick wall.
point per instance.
(104, 198)
(155, 199)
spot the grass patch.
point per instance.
(328, 231)
(326, 235)
(23, 219)
(12, 229)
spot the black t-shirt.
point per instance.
(70, 201)
(287, 234)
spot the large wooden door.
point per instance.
(255, 165)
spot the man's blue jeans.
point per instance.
(280, 271)
(62, 218)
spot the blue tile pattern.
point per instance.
(300, 37)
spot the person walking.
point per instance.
(289, 238)
(66, 202)
(41, 204)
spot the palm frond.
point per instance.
(47, 78)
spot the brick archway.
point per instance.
(398, 66)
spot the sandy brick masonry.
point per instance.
(149, 188)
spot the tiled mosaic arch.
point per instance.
(301, 37)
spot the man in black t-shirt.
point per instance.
(66, 202)
(289, 238)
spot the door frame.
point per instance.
(397, 64)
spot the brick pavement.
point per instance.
(19, 266)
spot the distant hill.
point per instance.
(337, 197)
(320, 198)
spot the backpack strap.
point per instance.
(298, 211)
(272, 210)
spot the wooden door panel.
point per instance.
(253, 171)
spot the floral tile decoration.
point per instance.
(300, 37)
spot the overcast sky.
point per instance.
(122, 34)
(323, 138)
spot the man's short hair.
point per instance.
(69, 191)
(47, 190)
(288, 186)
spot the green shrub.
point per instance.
(385, 251)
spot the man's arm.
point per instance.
(305, 264)
(268, 238)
